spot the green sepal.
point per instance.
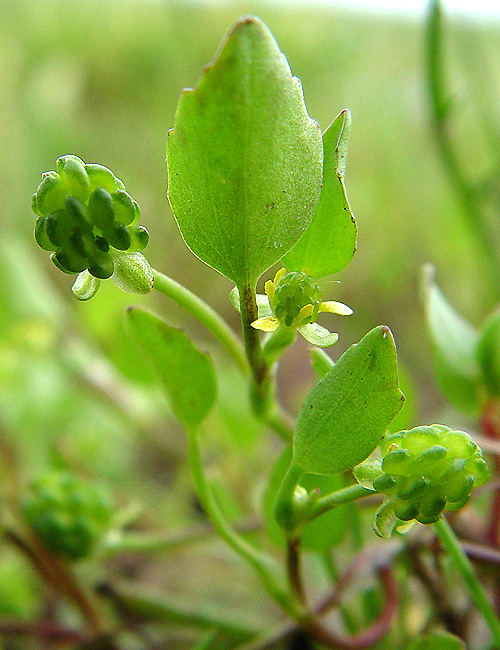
(346, 414)
(318, 335)
(50, 194)
(329, 242)
(244, 158)
(124, 208)
(41, 236)
(100, 176)
(85, 286)
(72, 172)
(187, 374)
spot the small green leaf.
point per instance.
(488, 354)
(454, 343)
(244, 158)
(187, 374)
(385, 521)
(437, 641)
(329, 242)
(346, 414)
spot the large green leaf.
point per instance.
(346, 414)
(244, 158)
(187, 374)
(454, 343)
(329, 242)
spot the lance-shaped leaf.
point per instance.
(244, 158)
(454, 343)
(346, 414)
(329, 242)
(187, 374)
(437, 641)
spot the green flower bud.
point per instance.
(50, 194)
(118, 236)
(293, 292)
(124, 207)
(101, 266)
(72, 173)
(428, 469)
(101, 209)
(69, 261)
(139, 238)
(70, 516)
(41, 236)
(133, 273)
(100, 176)
(83, 210)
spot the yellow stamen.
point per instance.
(306, 311)
(269, 288)
(279, 275)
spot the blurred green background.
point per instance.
(101, 79)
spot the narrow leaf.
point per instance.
(437, 641)
(488, 354)
(187, 374)
(346, 414)
(329, 242)
(454, 342)
(244, 158)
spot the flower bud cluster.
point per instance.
(70, 516)
(83, 213)
(429, 469)
(292, 293)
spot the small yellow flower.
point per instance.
(294, 301)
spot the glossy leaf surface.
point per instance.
(329, 242)
(244, 158)
(187, 374)
(346, 414)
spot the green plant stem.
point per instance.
(176, 611)
(204, 314)
(265, 566)
(261, 394)
(329, 501)
(451, 544)
(284, 508)
(277, 343)
(472, 211)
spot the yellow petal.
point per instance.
(269, 288)
(266, 323)
(306, 311)
(279, 275)
(334, 307)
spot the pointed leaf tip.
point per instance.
(244, 158)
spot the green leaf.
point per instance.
(488, 354)
(329, 242)
(454, 342)
(437, 641)
(244, 158)
(346, 414)
(187, 374)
